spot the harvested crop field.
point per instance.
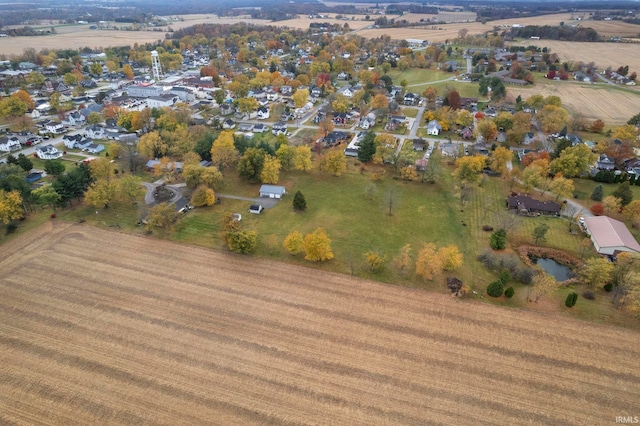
(593, 102)
(604, 55)
(98, 327)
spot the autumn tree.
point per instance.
(488, 130)
(597, 272)
(293, 243)
(453, 99)
(10, 206)
(203, 196)
(302, 160)
(553, 118)
(251, 163)
(428, 263)
(541, 285)
(573, 161)
(500, 159)
(632, 211)
(597, 126)
(270, 173)
(151, 145)
(128, 71)
(380, 102)
(300, 98)
(335, 163)
(129, 188)
(374, 260)
(101, 193)
(46, 195)
(464, 118)
(326, 126)
(451, 257)
(317, 246)
(223, 151)
(562, 187)
(611, 204)
(468, 169)
(403, 260)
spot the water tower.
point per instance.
(155, 64)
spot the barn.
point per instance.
(272, 191)
(610, 236)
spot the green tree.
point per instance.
(46, 195)
(317, 246)
(623, 192)
(539, 233)
(498, 240)
(24, 162)
(367, 148)
(598, 193)
(299, 202)
(95, 118)
(243, 242)
(251, 163)
(129, 188)
(54, 167)
(161, 216)
(495, 289)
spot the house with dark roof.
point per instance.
(605, 162)
(529, 206)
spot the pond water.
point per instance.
(553, 268)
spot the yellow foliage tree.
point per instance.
(300, 98)
(293, 243)
(101, 193)
(541, 285)
(203, 196)
(403, 260)
(151, 145)
(223, 151)
(451, 257)
(270, 170)
(335, 163)
(10, 206)
(317, 246)
(374, 260)
(500, 158)
(303, 158)
(428, 262)
(597, 272)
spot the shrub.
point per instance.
(498, 240)
(487, 228)
(588, 294)
(571, 300)
(11, 228)
(509, 292)
(505, 276)
(597, 209)
(598, 192)
(608, 287)
(495, 289)
(53, 216)
(510, 262)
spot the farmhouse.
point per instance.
(610, 236)
(529, 206)
(272, 191)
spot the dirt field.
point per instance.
(98, 327)
(615, 107)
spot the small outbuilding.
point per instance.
(610, 236)
(272, 191)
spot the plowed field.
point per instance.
(98, 327)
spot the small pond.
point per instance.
(553, 268)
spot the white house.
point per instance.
(228, 124)
(260, 128)
(76, 119)
(434, 128)
(278, 128)
(94, 148)
(95, 131)
(9, 144)
(346, 91)
(263, 113)
(272, 96)
(48, 152)
(76, 141)
(162, 101)
(272, 191)
(54, 127)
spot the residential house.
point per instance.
(185, 94)
(9, 144)
(451, 66)
(170, 166)
(346, 91)
(54, 127)
(76, 141)
(410, 98)
(529, 138)
(263, 113)
(260, 128)
(76, 119)
(279, 128)
(226, 109)
(335, 138)
(434, 128)
(530, 206)
(95, 131)
(94, 148)
(604, 162)
(316, 92)
(228, 124)
(368, 121)
(272, 96)
(340, 118)
(343, 76)
(466, 133)
(245, 127)
(48, 152)
(285, 90)
(632, 166)
(419, 144)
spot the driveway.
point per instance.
(267, 203)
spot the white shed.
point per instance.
(272, 191)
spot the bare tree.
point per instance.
(390, 200)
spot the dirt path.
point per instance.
(101, 327)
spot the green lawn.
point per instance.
(417, 76)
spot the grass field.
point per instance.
(101, 327)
